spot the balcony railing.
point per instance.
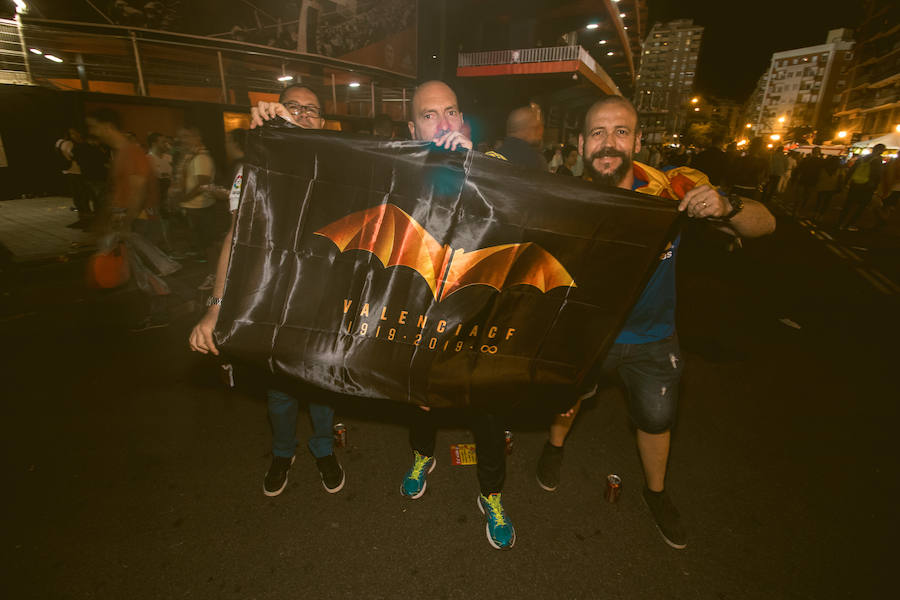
(533, 56)
(524, 55)
(141, 62)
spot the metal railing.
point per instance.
(141, 62)
(523, 55)
(13, 68)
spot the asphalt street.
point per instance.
(133, 473)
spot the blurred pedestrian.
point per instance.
(65, 148)
(711, 161)
(778, 166)
(570, 154)
(828, 184)
(863, 179)
(747, 173)
(889, 191)
(195, 199)
(807, 175)
(132, 209)
(383, 126)
(161, 162)
(524, 135)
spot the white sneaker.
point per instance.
(208, 283)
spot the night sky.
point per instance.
(740, 37)
(738, 41)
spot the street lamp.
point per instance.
(593, 25)
(781, 120)
(842, 134)
(774, 137)
(695, 100)
(748, 125)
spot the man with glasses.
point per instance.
(299, 105)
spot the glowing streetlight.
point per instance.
(695, 100)
(285, 78)
(897, 128)
(842, 134)
(55, 59)
(774, 137)
(696, 109)
(593, 25)
(601, 42)
(354, 84)
(781, 119)
(748, 125)
(35, 51)
(770, 145)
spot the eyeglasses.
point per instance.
(302, 110)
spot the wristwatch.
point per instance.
(737, 205)
(213, 301)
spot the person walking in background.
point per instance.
(161, 162)
(807, 175)
(198, 204)
(778, 166)
(570, 157)
(65, 149)
(863, 179)
(711, 160)
(132, 208)
(747, 174)
(889, 192)
(829, 182)
(524, 134)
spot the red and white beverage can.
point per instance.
(613, 488)
(340, 435)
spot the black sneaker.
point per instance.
(548, 467)
(277, 475)
(668, 521)
(332, 473)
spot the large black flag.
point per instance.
(396, 270)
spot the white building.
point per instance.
(802, 86)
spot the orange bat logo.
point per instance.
(397, 239)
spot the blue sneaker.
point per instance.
(414, 483)
(500, 531)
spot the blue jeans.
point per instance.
(651, 374)
(283, 415)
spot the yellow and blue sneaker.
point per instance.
(414, 483)
(500, 531)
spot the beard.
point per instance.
(614, 178)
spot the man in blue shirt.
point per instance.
(646, 355)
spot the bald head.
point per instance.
(525, 124)
(434, 110)
(605, 104)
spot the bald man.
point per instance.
(436, 117)
(524, 135)
(646, 356)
